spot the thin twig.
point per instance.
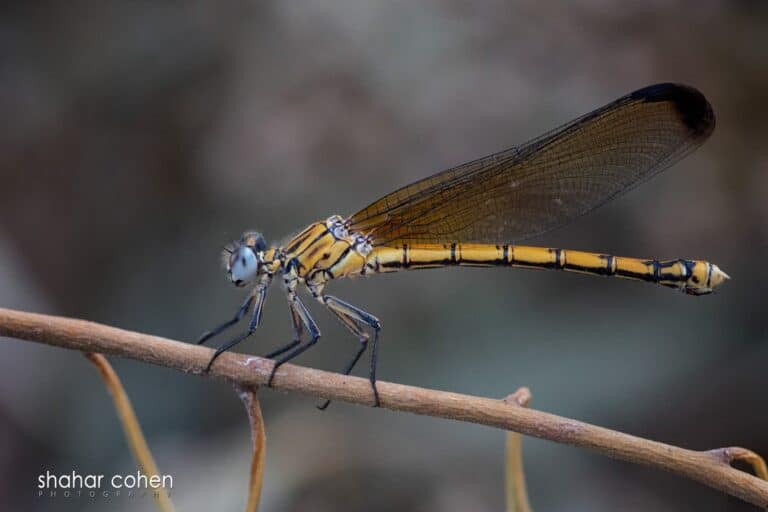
(700, 466)
(131, 427)
(517, 494)
(250, 400)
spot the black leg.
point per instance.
(283, 350)
(299, 311)
(353, 318)
(372, 374)
(228, 345)
(261, 293)
(363, 345)
(226, 325)
(298, 330)
(315, 338)
(357, 329)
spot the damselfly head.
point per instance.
(243, 257)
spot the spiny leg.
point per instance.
(354, 318)
(301, 311)
(229, 323)
(260, 295)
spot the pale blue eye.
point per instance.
(243, 265)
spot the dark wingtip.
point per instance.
(692, 107)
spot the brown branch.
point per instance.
(251, 402)
(736, 453)
(517, 494)
(707, 467)
(131, 427)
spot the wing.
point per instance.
(527, 190)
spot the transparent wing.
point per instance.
(527, 190)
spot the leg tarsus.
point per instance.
(363, 345)
(207, 335)
(298, 330)
(372, 375)
(252, 326)
(226, 346)
(294, 353)
(300, 317)
(282, 350)
(276, 353)
(354, 318)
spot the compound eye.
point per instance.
(243, 265)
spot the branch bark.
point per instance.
(711, 468)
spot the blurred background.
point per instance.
(139, 137)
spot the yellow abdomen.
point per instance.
(692, 276)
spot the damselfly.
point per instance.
(471, 215)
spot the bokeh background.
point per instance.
(139, 137)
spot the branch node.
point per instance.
(516, 490)
(520, 397)
(733, 454)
